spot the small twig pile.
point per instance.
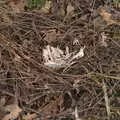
(26, 77)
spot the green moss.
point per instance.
(36, 3)
(116, 3)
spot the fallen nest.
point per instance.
(91, 83)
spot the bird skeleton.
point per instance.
(55, 57)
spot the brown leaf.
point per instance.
(51, 35)
(17, 5)
(107, 17)
(70, 9)
(30, 116)
(14, 110)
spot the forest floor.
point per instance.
(60, 60)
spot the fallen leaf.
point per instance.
(62, 11)
(69, 12)
(51, 36)
(17, 5)
(70, 8)
(30, 116)
(14, 110)
(107, 17)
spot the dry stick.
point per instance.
(10, 94)
(76, 114)
(102, 98)
(107, 76)
(33, 62)
(35, 30)
(37, 112)
(22, 55)
(40, 17)
(35, 19)
(35, 98)
(13, 47)
(116, 43)
(106, 100)
(18, 78)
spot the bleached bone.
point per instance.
(55, 57)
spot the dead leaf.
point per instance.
(14, 110)
(107, 17)
(70, 8)
(69, 12)
(51, 36)
(30, 116)
(17, 5)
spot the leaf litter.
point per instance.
(14, 110)
(56, 59)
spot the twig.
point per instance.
(107, 76)
(106, 100)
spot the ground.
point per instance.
(60, 60)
